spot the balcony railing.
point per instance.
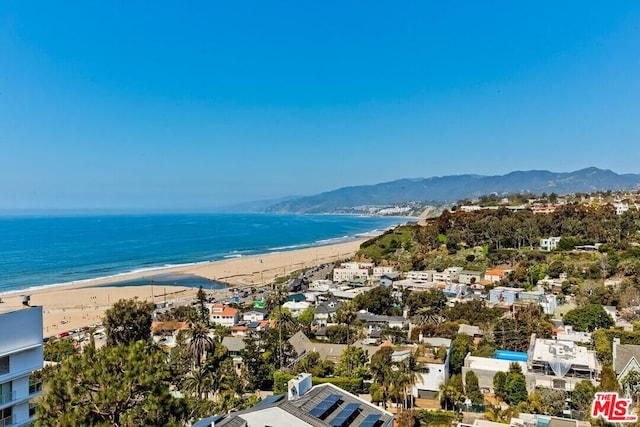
(6, 398)
(35, 387)
(8, 421)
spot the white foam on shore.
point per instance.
(228, 256)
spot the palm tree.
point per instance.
(200, 342)
(346, 314)
(403, 380)
(274, 303)
(199, 383)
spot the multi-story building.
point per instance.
(224, 315)
(450, 274)
(20, 355)
(469, 277)
(549, 243)
(426, 275)
(351, 270)
(561, 364)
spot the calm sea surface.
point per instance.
(44, 251)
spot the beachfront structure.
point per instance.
(352, 270)
(468, 277)
(224, 315)
(20, 355)
(549, 244)
(426, 275)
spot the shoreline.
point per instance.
(80, 303)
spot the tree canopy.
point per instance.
(113, 386)
(588, 318)
(128, 321)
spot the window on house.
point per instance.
(4, 365)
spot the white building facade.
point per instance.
(20, 355)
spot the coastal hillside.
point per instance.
(450, 189)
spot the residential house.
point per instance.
(166, 333)
(348, 294)
(388, 279)
(472, 331)
(503, 295)
(561, 364)
(626, 359)
(255, 315)
(304, 405)
(378, 321)
(432, 359)
(296, 307)
(469, 277)
(620, 208)
(495, 275)
(20, 355)
(350, 270)
(549, 244)
(325, 312)
(486, 368)
(224, 315)
(327, 351)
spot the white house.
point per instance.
(20, 355)
(549, 244)
(255, 315)
(620, 208)
(433, 370)
(224, 315)
(351, 270)
(296, 307)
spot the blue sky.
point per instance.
(158, 105)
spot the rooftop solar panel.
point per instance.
(346, 415)
(370, 420)
(324, 407)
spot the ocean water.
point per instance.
(39, 251)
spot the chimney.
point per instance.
(616, 343)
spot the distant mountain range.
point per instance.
(450, 189)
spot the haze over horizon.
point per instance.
(126, 106)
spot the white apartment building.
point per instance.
(450, 274)
(426, 275)
(20, 355)
(380, 271)
(352, 270)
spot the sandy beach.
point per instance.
(83, 303)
